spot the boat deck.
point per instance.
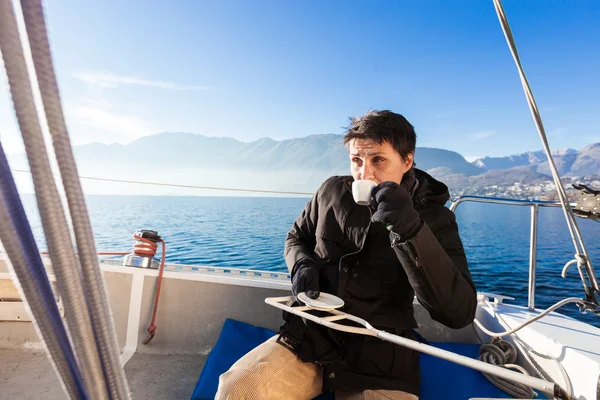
(28, 375)
(195, 304)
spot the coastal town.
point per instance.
(538, 190)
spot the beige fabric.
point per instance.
(374, 395)
(270, 371)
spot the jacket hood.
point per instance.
(430, 189)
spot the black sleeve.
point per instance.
(301, 240)
(436, 266)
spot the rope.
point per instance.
(499, 352)
(147, 248)
(504, 354)
(101, 253)
(51, 211)
(183, 186)
(35, 288)
(543, 314)
(102, 323)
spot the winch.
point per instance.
(143, 254)
(144, 250)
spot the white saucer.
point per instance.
(324, 302)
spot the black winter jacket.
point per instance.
(378, 283)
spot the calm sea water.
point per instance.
(249, 233)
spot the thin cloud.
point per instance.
(483, 135)
(131, 127)
(107, 80)
(97, 103)
(472, 158)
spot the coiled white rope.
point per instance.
(502, 353)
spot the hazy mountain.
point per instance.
(491, 163)
(316, 152)
(569, 162)
(298, 164)
(430, 158)
(587, 161)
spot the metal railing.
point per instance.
(535, 205)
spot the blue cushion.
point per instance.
(441, 379)
(236, 339)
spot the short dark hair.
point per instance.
(383, 126)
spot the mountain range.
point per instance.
(569, 162)
(302, 163)
(317, 152)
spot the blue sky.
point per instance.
(283, 69)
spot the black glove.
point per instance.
(394, 208)
(305, 278)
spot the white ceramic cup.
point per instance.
(361, 191)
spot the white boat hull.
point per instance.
(195, 301)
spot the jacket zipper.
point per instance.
(409, 247)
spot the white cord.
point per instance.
(543, 314)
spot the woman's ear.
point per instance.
(409, 161)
